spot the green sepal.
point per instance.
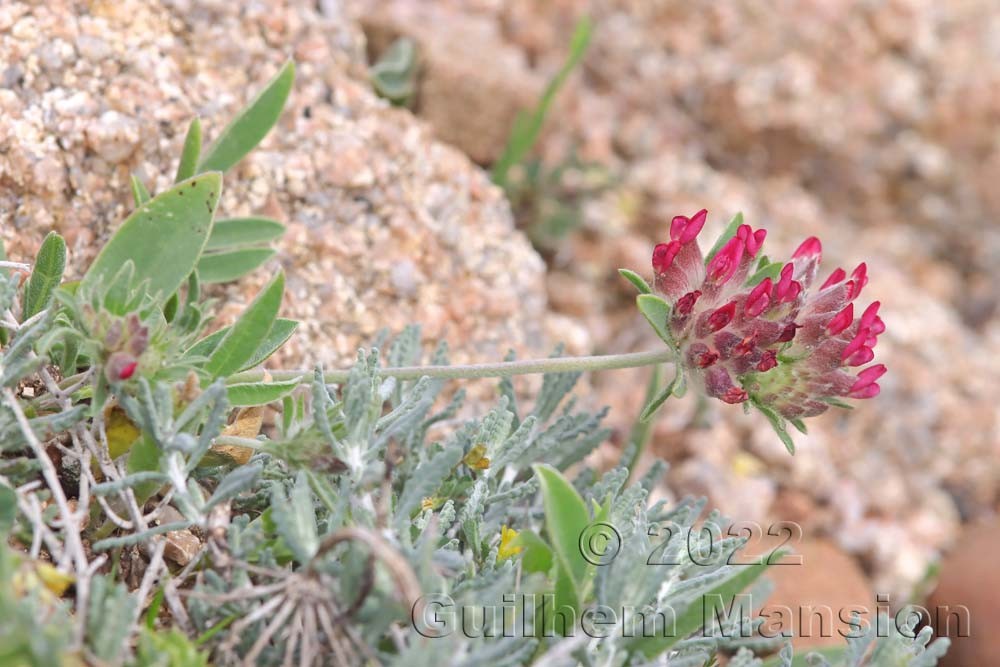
(638, 281)
(657, 313)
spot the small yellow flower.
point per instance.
(476, 458)
(507, 548)
(430, 503)
(54, 580)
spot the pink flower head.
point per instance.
(753, 332)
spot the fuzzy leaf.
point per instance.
(259, 393)
(45, 275)
(221, 267)
(240, 343)
(295, 519)
(637, 281)
(163, 238)
(566, 519)
(428, 476)
(657, 313)
(694, 617)
(252, 124)
(233, 232)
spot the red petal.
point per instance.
(835, 277)
(722, 316)
(841, 320)
(758, 300)
(868, 391)
(811, 246)
(128, 370)
(724, 264)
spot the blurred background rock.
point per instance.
(872, 124)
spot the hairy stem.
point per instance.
(472, 371)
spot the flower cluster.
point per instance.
(752, 330)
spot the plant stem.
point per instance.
(472, 371)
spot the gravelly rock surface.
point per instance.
(386, 225)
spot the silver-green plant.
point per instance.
(321, 540)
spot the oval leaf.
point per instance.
(259, 393)
(234, 232)
(164, 237)
(225, 266)
(45, 275)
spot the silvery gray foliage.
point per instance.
(376, 496)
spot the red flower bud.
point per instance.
(722, 317)
(724, 264)
(684, 229)
(810, 247)
(120, 366)
(686, 303)
(768, 361)
(837, 276)
(663, 255)
(759, 299)
(841, 320)
(752, 240)
(859, 278)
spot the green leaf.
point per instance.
(8, 509)
(259, 393)
(188, 165)
(280, 332)
(771, 270)
(661, 398)
(536, 556)
(657, 313)
(237, 347)
(295, 519)
(394, 76)
(139, 192)
(233, 232)
(45, 275)
(225, 266)
(144, 456)
(527, 127)
(163, 238)
(566, 520)
(638, 281)
(727, 234)
(251, 125)
(168, 647)
(698, 613)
